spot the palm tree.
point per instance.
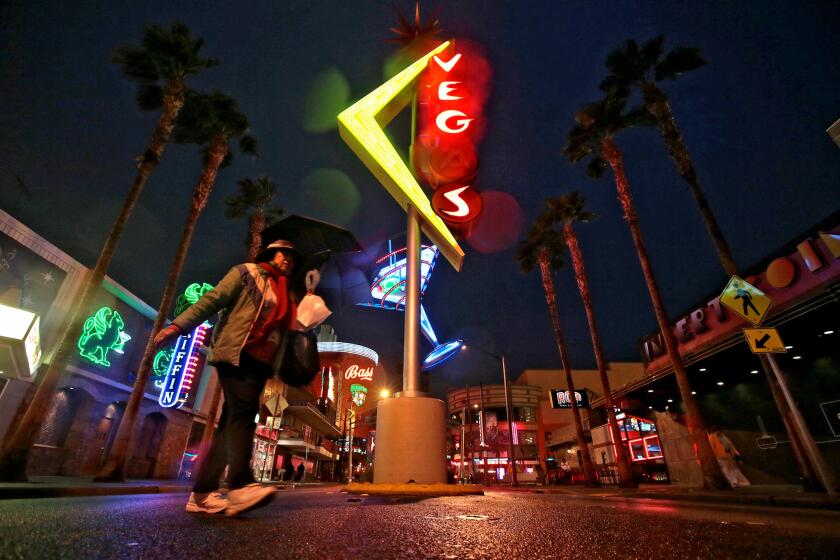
(568, 210)
(254, 195)
(597, 124)
(161, 65)
(544, 247)
(645, 68)
(418, 35)
(211, 121)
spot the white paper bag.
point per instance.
(312, 311)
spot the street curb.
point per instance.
(730, 499)
(422, 490)
(83, 491)
(772, 501)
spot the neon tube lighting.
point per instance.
(360, 126)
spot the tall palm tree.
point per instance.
(211, 121)
(544, 247)
(161, 65)
(568, 210)
(645, 69)
(593, 136)
(254, 195)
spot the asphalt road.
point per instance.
(324, 523)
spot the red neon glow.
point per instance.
(457, 203)
(642, 448)
(452, 93)
(500, 224)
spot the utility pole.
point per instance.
(514, 479)
(481, 424)
(508, 411)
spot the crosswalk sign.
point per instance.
(764, 341)
(746, 300)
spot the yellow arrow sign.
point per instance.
(361, 126)
(746, 300)
(764, 341)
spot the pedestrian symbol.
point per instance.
(746, 300)
(764, 341)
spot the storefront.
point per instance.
(729, 382)
(479, 438)
(641, 438)
(39, 279)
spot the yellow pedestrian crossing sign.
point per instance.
(746, 300)
(764, 341)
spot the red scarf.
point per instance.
(280, 318)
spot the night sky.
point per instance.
(754, 119)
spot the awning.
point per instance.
(310, 414)
(301, 446)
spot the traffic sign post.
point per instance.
(746, 300)
(752, 304)
(764, 341)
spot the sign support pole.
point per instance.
(411, 366)
(809, 446)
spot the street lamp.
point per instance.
(508, 410)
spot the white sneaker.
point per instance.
(248, 497)
(206, 502)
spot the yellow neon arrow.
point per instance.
(361, 126)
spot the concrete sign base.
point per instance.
(410, 441)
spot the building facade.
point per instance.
(37, 277)
(730, 384)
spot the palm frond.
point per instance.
(568, 208)
(679, 61)
(409, 33)
(650, 52)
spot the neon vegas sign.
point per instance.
(361, 127)
(177, 383)
(445, 151)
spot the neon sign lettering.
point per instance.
(355, 372)
(562, 399)
(177, 382)
(443, 118)
(102, 332)
(450, 106)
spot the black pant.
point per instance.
(234, 439)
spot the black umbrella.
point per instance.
(343, 283)
(311, 236)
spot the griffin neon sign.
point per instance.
(177, 383)
(361, 127)
(103, 332)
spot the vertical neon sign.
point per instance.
(177, 383)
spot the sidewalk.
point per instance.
(65, 487)
(778, 495)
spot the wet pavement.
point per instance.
(324, 523)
